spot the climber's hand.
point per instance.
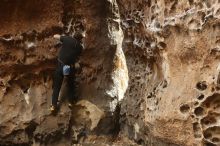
(77, 65)
(57, 36)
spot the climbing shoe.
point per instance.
(53, 109)
(70, 105)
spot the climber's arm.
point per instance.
(77, 65)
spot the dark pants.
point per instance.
(57, 83)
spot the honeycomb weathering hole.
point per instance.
(200, 97)
(209, 144)
(212, 101)
(184, 108)
(208, 120)
(199, 111)
(207, 135)
(196, 127)
(215, 139)
(213, 134)
(201, 85)
(196, 103)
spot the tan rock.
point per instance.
(87, 113)
(150, 71)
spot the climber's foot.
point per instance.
(53, 109)
(70, 105)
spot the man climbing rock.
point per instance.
(66, 66)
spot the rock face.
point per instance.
(171, 49)
(150, 72)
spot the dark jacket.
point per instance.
(70, 51)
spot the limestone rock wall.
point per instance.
(171, 48)
(150, 72)
(28, 59)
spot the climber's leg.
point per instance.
(57, 83)
(71, 86)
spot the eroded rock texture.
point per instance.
(150, 72)
(28, 58)
(171, 48)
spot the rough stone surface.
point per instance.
(150, 72)
(171, 49)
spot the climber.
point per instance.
(66, 66)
